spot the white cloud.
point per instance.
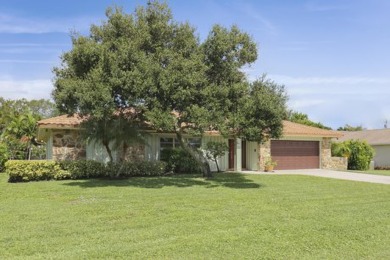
(328, 80)
(336, 101)
(26, 61)
(21, 48)
(29, 89)
(15, 24)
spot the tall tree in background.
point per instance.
(302, 118)
(148, 62)
(18, 127)
(347, 127)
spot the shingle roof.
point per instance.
(295, 129)
(373, 137)
(63, 121)
(289, 128)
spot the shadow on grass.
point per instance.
(230, 180)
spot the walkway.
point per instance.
(331, 174)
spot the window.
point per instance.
(194, 142)
(169, 143)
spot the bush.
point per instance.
(4, 156)
(156, 168)
(139, 168)
(360, 153)
(83, 169)
(179, 161)
(19, 171)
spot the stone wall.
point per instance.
(329, 162)
(68, 145)
(335, 163)
(135, 153)
(264, 153)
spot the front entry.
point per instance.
(231, 153)
(243, 154)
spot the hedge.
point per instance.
(19, 170)
(22, 171)
(179, 161)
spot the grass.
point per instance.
(376, 172)
(232, 216)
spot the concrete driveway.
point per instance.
(335, 175)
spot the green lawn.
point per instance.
(376, 172)
(232, 216)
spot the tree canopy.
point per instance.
(149, 62)
(18, 126)
(348, 127)
(302, 118)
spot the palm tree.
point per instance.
(117, 132)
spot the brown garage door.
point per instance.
(295, 154)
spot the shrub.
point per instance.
(179, 161)
(4, 155)
(360, 153)
(215, 150)
(83, 169)
(139, 168)
(156, 168)
(341, 149)
(19, 171)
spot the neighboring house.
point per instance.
(301, 147)
(379, 139)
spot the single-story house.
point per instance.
(301, 147)
(379, 139)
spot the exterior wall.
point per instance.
(252, 156)
(49, 148)
(97, 152)
(223, 162)
(264, 152)
(135, 152)
(329, 162)
(382, 155)
(67, 145)
(326, 159)
(152, 149)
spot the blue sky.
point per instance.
(333, 56)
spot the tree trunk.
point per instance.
(216, 163)
(203, 163)
(125, 147)
(107, 146)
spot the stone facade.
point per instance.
(68, 145)
(335, 163)
(135, 153)
(264, 153)
(329, 162)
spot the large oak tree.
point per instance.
(149, 62)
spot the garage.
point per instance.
(295, 154)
